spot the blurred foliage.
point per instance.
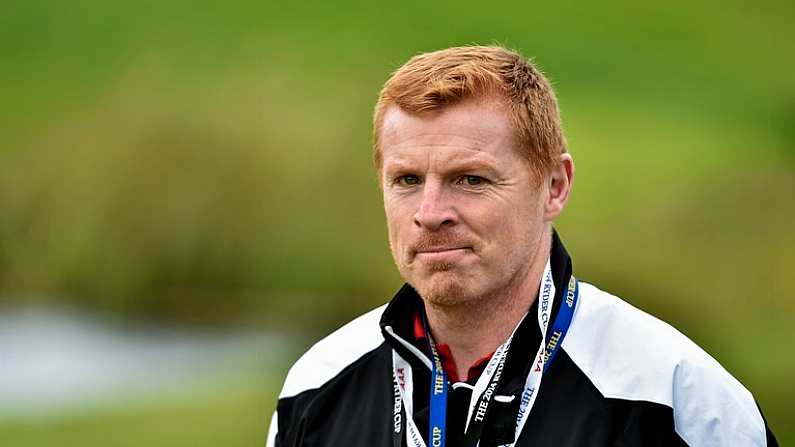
(237, 416)
(210, 163)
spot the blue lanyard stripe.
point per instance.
(562, 322)
(437, 426)
(438, 390)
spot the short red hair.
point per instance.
(431, 81)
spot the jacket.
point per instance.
(619, 378)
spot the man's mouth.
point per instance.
(441, 249)
(442, 254)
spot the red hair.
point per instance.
(428, 82)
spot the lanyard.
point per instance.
(438, 400)
(546, 353)
(484, 388)
(476, 420)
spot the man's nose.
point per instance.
(435, 210)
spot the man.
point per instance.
(493, 341)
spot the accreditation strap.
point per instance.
(404, 387)
(546, 353)
(486, 385)
(437, 422)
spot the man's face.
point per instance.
(464, 212)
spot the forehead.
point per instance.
(472, 129)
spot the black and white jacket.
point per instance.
(621, 378)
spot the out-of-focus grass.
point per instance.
(235, 415)
(156, 155)
(211, 164)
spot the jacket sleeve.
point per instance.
(711, 407)
(287, 424)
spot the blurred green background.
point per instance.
(204, 169)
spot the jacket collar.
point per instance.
(398, 318)
(397, 328)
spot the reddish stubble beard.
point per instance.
(437, 282)
(453, 284)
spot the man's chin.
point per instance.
(443, 288)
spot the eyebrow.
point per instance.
(469, 165)
(454, 166)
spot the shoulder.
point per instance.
(628, 354)
(331, 355)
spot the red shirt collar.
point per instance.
(448, 363)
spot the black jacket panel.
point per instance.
(354, 406)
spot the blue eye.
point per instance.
(409, 180)
(472, 180)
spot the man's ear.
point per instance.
(560, 181)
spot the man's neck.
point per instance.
(476, 329)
